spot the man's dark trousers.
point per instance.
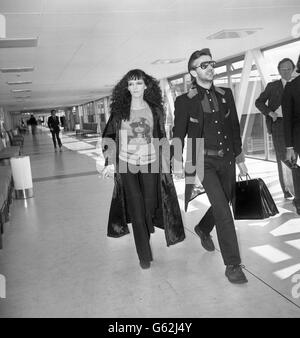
(279, 147)
(55, 135)
(217, 186)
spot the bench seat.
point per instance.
(15, 140)
(6, 189)
(7, 153)
(88, 128)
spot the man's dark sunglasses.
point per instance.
(205, 64)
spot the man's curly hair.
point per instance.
(121, 97)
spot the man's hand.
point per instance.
(177, 169)
(291, 156)
(179, 176)
(274, 115)
(243, 169)
(107, 171)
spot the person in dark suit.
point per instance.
(209, 112)
(53, 124)
(291, 122)
(269, 103)
(33, 123)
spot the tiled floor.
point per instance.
(58, 261)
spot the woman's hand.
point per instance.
(107, 171)
(243, 169)
(291, 155)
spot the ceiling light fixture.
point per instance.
(167, 61)
(233, 33)
(17, 70)
(18, 43)
(18, 82)
(21, 90)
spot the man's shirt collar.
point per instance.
(201, 90)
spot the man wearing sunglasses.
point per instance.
(209, 112)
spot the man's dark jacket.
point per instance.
(291, 114)
(168, 215)
(189, 121)
(272, 94)
(53, 123)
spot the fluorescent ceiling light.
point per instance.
(18, 82)
(21, 90)
(167, 61)
(233, 33)
(18, 43)
(17, 70)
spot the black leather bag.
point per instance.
(253, 200)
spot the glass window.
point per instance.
(178, 85)
(221, 81)
(220, 70)
(274, 55)
(257, 142)
(237, 65)
(253, 121)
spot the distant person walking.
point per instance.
(33, 123)
(53, 124)
(22, 127)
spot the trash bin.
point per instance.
(77, 128)
(21, 172)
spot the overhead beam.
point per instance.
(2, 26)
(262, 66)
(243, 86)
(248, 114)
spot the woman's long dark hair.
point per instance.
(121, 97)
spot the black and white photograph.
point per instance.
(149, 162)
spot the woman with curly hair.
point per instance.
(143, 195)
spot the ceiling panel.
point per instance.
(22, 25)
(233, 4)
(54, 36)
(24, 6)
(61, 20)
(11, 57)
(87, 6)
(85, 46)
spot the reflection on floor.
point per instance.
(58, 261)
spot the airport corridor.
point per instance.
(58, 261)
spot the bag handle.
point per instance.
(291, 164)
(240, 177)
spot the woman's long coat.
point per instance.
(168, 215)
